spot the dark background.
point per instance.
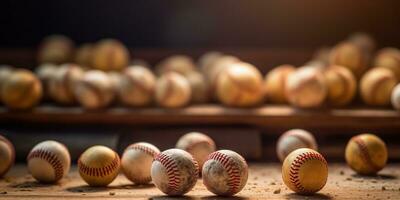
(200, 24)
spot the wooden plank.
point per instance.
(264, 183)
(264, 116)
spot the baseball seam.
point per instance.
(365, 154)
(301, 159)
(51, 158)
(99, 171)
(231, 168)
(174, 181)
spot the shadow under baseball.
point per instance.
(165, 197)
(222, 197)
(376, 176)
(308, 197)
(31, 184)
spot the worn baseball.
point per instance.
(174, 172)
(305, 171)
(137, 86)
(206, 60)
(197, 144)
(199, 86)
(99, 165)
(181, 64)
(294, 139)
(366, 154)
(21, 90)
(341, 83)
(109, 54)
(94, 90)
(136, 162)
(364, 41)
(376, 86)
(225, 173)
(7, 155)
(275, 83)
(395, 98)
(49, 161)
(56, 49)
(349, 55)
(389, 58)
(240, 85)
(45, 73)
(83, 55)
(62, 84)
(172, 90)
(115, 78)
(5, 72)
(306, 87)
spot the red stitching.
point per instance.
(174, 180)
(51, 158)
(295, 167)
(99, 171)
(231, 168)
(365, 154)
(143, 148)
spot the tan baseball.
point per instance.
(56, 49)
(49, 161)
(174, 172)
(137, 86)
(99, 165)
(94, 90)
(305, 171)
(207, 59)
(5, 72)
(109, 54)
(395, 98)
(21, 90)
(349, 55)
(197, 144)
(364, 41)
(294, 139)
(274, 84)
(83, 55)
(136, 162)
(389, 58)
(172, 90)
(366, 154)
(45, 73)
(225, 173)
(240, 85)
(306, 87)
(198, 84)
(7, 155)
(181, 64)
(376, 86)
(62, 84)
(341, 83)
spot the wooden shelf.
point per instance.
(264, 116)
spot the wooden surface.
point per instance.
(264, 183)
(264, 116)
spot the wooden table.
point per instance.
(264, 183)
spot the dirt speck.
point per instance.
(348, 179)
(383, 188)
(341, 172)
(272, 183)
(3, 192)
(277, 191)
(112, 193)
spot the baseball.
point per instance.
(7, 155)
(94, 90)
(49, 161)
(389, 58)
(56, 49)
(376, 86)
(172, 90)
(5, 72)
(137, 86)
(99, 165)
(83, 55)
(197, 144)
(225, 173)
(305, 171)
(240, 85)
(45, 72)
(21, 90)
(274, 84)
(306, 88)
(349, 55)
(364, 41)
(109, 54)
(207, 59)
(61, 85)
(136, 162)
(366, 154)
(115, 78)
(198, 84)
(174, 172)
(294, 139)
(181, 64)
(341, 83)
(395, 98)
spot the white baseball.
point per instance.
(174, 172)
(396, 97)
(136, 161)
(7, 155)
(294, 139)
(49, 161)
(225, 173)
(197, 144)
